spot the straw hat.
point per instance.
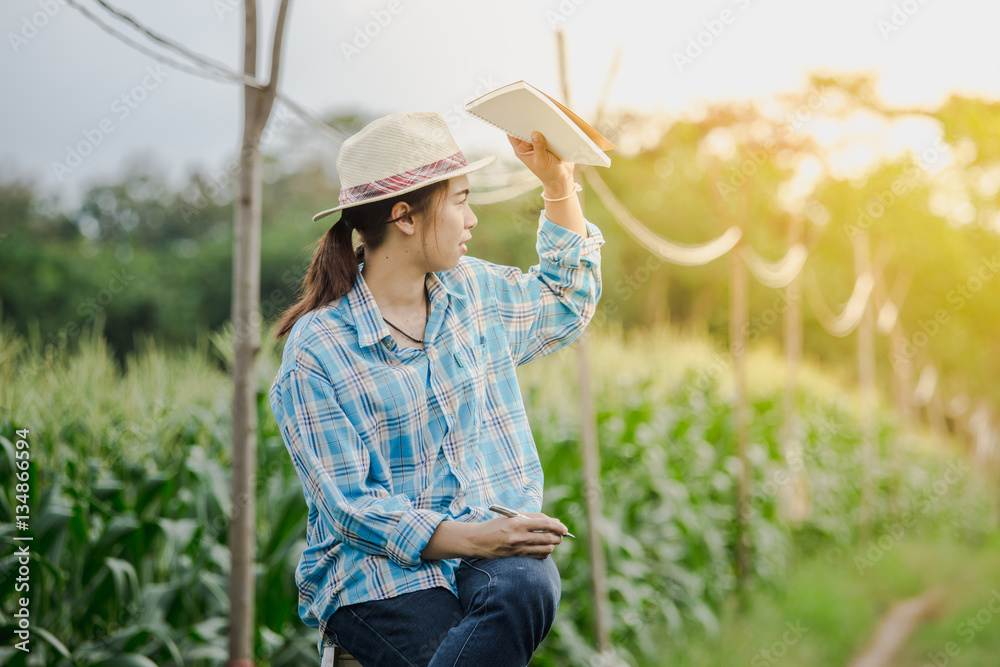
(396, 154)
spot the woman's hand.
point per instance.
(520, 536)
(557, 182)
(496, 538)
(556, 176)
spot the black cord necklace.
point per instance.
(427, 308)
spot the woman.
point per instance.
(398, 401)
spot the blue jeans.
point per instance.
(504, 608)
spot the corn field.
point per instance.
(130, 503)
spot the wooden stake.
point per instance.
(868, 394)
(246, 318)
(796, 490)
(902, 390)
(591, 454)
(739, 315)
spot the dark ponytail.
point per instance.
(334, 267)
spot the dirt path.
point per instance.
(897, 624)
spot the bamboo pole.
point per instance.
(796, 496)
(257, 104)
(739, 314)
(901, 374)
(901, 394)
(591, 454)
(866, 380)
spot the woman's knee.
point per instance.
(532, 582)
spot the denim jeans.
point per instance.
(504, 608)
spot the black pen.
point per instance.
(508, 512)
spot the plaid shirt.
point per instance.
(388, 441)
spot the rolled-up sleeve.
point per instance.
(548, 307)
(335, 467)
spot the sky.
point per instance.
(68, 83)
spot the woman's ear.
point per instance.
(403, 217)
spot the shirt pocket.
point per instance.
(473, 369)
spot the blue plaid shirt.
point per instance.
(389, 441)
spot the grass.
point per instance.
(825, 612)
(966, 631)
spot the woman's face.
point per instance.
(444, 244)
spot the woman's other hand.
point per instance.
(533, 535)
(496, 538)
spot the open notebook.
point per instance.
(519, 108)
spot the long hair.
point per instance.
(334, 267)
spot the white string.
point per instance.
(889, 304)
(211, 70)
(675, 253)
(982, 431)
(486, 179)
(331, 132)
(503, 194)
(849, 319)
(775, 274)
(888, 314)
(175, 46)
(926, 385)
(144, 49)
(514, 183)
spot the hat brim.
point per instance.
(474, 166)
